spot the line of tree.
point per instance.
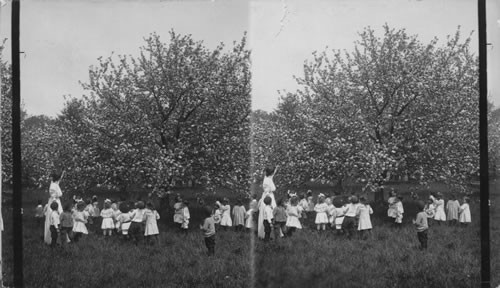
(393, 107)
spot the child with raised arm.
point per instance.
(421, 225)
(208, 228)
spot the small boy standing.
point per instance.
(268, 218)
(208, 229)
(54, 223)
(66, 220)
(421, 225)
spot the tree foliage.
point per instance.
(178, 111)
(394, 106)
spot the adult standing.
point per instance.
(269, 188)
(55, 195)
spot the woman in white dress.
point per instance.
(55, 195)
(269, 188)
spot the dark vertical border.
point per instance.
(483, 147)
(16, 148)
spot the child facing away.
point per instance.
(421, 225)
(208, 228)
(225, 221)
(80, 218)
(151, 217)
(123, 220)
(267, 218)
(398, 202)
(351, 212)
(66, 220)
(321, 213)
(54, 223)
(280, 217)
(39, 214)
(365, 223)
(310, 202)
(185, 216)
(293, 211)
(178, 211)
(136, 230)
(452, 207)
(439, 203)
(465, 217)
(108, 223)
(339, 218)
(331, 212)
(239, 213)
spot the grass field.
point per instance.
(308, 259)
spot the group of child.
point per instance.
(117, 218)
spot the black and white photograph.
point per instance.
(252, 143)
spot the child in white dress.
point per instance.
(399, 211)
(293, 211)
(108, 223)
(178, 206)
(239, 213)
(249, 223)
(452, 207)
(365, 223)
(151, 217)
(331, 212)
(465, 217)
(217, 213)
(439, 203)
(185, 216)
(321, 214)
(226, 221)
(80, 218)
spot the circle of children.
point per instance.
(285, 216)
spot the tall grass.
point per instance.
(390, 258)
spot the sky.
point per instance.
(61, 39)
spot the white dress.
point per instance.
(321, 216)
(249, 219)
(226, 216)
(116, 213)
(440, 215)
(391, 212)
(364, 217)
(55, 195)
(151, 218)
(185, 216)
(178, 213)
(293, 213)
(465, 213)
(79, 220)
(107, 219)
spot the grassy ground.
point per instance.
(308, 259)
